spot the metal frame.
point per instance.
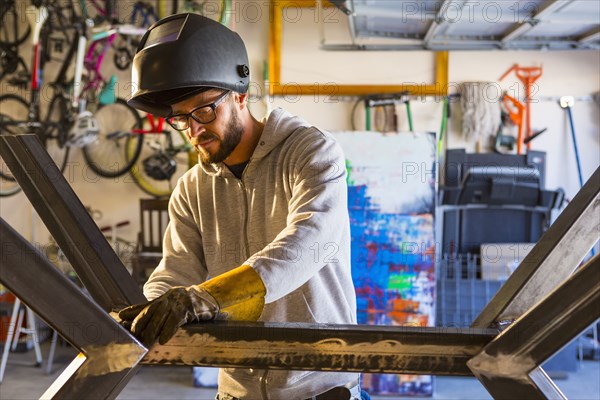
(31, 277)
(71, 225)
(438, 23)
(436, 38)
(521, 28)
(506, 363)
(321, 347)
(552, 260)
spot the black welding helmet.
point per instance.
(182, 55)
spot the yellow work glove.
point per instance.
(238, 295)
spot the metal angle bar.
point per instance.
(441, 45)
(543, 382)
(520, 29)
(297, 346)
(83, 379)
(550, 7)
(78, 236)
(431, 31)
(402, 13)
(369, 34)
(370, 47)
(567, 19)
(551, 324)
(539, 334)
(28, 273)
(590, 36)
(110, 354)
(488, 40)
(466, 41)
(589, 46)
(351, 23)
(552, 260)
(438, 23)
(501, 388)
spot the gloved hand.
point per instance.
(237, 294)
(160, 318)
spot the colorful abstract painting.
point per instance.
(391, 192)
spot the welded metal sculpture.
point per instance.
(541, 307)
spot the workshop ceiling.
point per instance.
(472, 25)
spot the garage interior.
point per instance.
(471, 136)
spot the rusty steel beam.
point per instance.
(74, 230)
(442, 351)
(508, 366)
(109, 353)
(299, 346)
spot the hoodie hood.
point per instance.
(279, 125)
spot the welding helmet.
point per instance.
(183, 55)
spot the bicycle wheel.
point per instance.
(158, 149)
(9, 61)
(126, 251)
(14, 117)
(108, 155)
(13, 30)
(8, 187)
(13, 109)
(122, 58)
(56, 128)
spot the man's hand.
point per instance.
(161, 317)
(238, 294)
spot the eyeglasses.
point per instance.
(203, 114)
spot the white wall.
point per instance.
(565, 73)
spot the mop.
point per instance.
(481, 114)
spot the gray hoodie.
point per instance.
(288, 219)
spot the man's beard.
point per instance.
(232, 137)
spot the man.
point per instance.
(264, 214)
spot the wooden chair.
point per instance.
(154, 217)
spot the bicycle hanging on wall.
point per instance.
(80, 113)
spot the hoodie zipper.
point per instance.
(263, 378)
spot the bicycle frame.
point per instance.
(162, 149)
(157, 125)
(37, 19)
(145, 11)
(93, 62)
(108, 11)
(39, 16)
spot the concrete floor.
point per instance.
(23, 380)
